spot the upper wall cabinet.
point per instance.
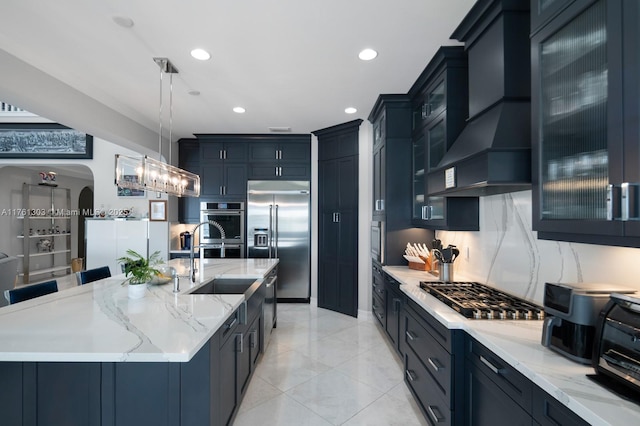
(586, 132)
(391, 120)
(280, 157)
(223, 168)
(439, 100)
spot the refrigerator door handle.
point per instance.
(276, 224)
(270, 229)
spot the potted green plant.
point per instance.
(139, 270)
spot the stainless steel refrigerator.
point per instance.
(278, 226)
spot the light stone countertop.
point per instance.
(518, 344)
(97, 322)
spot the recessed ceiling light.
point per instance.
(350, 110)
(194, 92)
(123, 21)
(239, 110)
(367, 54)
(200, 54)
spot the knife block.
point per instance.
(426, 266)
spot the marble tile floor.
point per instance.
(325, 368)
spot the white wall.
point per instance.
(365, 195)
(506, 253)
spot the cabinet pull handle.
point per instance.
(280, 171)
(380, 316)
(254, 338)
(220, 155)
(411, 375)
(396, 305)
(240, 337)
(410, 335)
(231, 324)
(624, 212)
(609, 202)
(243, 312)
(433, 364)
(379, 205)
(427, 213)
(432, 412)
(492, 367)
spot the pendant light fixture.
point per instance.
(146, 173)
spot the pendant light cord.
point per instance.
(170, 113)
(164, 64)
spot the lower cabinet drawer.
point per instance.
(512, 382)
(377, 306)
(547, 411)
(436, 359)
(431, 401)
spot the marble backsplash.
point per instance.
(507, 254)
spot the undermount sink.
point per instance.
(225, 286)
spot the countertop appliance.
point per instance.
(230, 216)
(478, 301)
(185, 240)
(572, 313)
(278, 226)
(616, 357)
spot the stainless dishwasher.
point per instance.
(270, 306)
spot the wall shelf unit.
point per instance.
(46, 232)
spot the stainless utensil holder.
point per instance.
(446, 272)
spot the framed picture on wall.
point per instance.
(130, 192)
(158, 210)
(44, 140)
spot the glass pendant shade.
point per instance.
(148, 174)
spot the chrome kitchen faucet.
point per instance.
(192, 269)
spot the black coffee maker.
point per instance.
(185, 240)
(571, 315)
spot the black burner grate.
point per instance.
(475, 300)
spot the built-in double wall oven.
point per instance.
(229, 218)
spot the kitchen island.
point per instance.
(518, 344)
(90, 355)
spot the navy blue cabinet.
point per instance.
(280, 157)
(223, 168)
(493, 386)
(391, 120)
(434, 365)
(439, 100)
(338, 217)
(585, 132)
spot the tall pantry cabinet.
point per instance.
(338, 217)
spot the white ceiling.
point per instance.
(290, 63)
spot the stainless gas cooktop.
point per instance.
(478, 301)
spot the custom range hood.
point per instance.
(492, 155)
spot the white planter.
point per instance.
(137, 291)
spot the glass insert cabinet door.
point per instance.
(574, 122)
(419, 188)
(424, 207)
